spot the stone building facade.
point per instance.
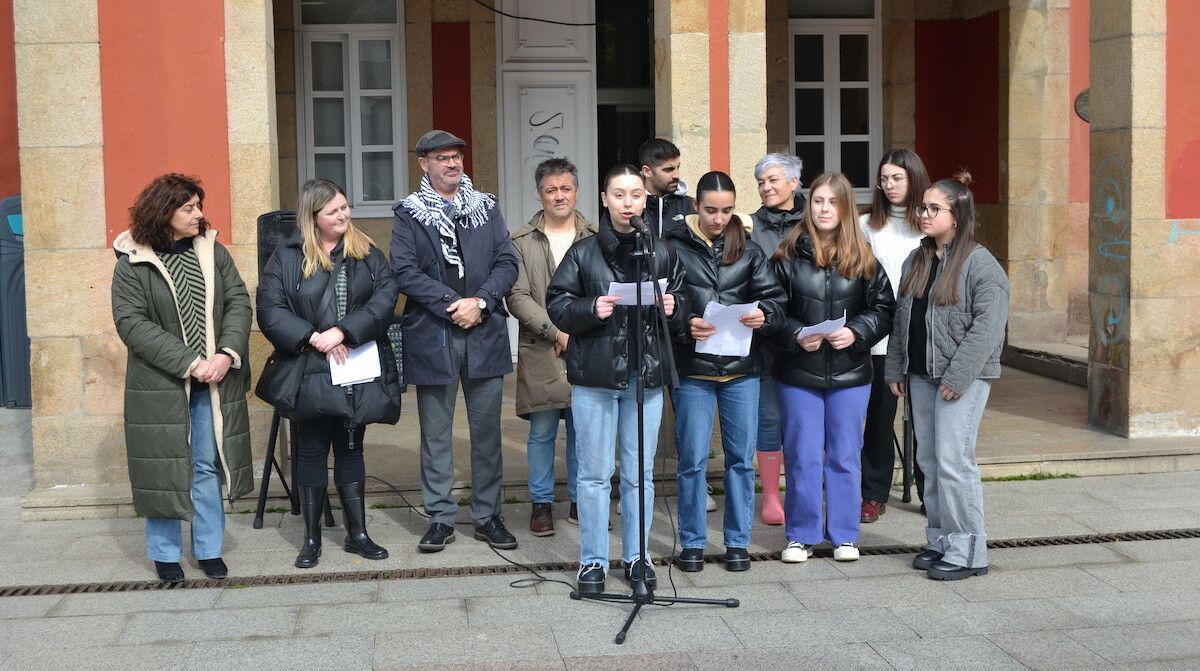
(1098, 224)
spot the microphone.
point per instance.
(638, 225)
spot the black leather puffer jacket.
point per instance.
(815, 294)
(746, 280)
(598, 352)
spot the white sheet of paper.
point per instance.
(732, 337)
(362, 365)
(628, 291)
(824, 328)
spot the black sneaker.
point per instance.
(737, 559)
(591, 579)
(495, 534)
(637, 569)
(436, 538)
(215, 569)
(690, 560)
(924, 560)
(168, 571)
(573, 514)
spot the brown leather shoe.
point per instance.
(541, 520)
(871, 510)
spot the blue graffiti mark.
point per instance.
(1178, 231)
(1110, 205)
(1108, 250)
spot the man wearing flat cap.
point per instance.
(455, 262)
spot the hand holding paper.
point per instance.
(627, 292)
(823, 329)
(732, 337)
(362, 365)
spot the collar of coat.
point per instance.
(693, 232)
(538, 223)
(780, 219)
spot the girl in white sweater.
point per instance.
(893, 231)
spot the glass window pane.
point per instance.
(378, 176)
(327, 66)
(856, 111)
(854, 58)
(315, 12)
(329, 122)
(331, 167)
(375, 64)
(810, 112)
(808, 58)
(376, 119)
(831, 9)
(856, 163)
(812, 155)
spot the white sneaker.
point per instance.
(795, 553)
(710, 505)
(845, 552)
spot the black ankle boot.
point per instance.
(354, 512)
(312, 504)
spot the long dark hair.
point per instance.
(962, 208)
(150, 216)
(847, 251)
(918, 182)
(735, 233)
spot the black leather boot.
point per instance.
(312, 504)
(354, 512)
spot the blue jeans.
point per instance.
(737, 401)
(164, 538)
(543, 431)
(769, 437)
(822, 446)
(604, 417)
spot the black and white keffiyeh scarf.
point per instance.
(469, 210)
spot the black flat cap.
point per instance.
(436, 139)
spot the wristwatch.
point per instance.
(482, 304)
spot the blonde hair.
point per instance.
(314, 195)
(847, 249)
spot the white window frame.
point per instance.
(350, 35)
(830, 30)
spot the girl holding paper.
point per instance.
(325, 291)
(601, 367)
(827, 270)
(721, 268)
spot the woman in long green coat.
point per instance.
(184, 314)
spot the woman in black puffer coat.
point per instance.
(721, 266)
(295, 315)
(604, 371)
(827, 271)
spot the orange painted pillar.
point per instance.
(162, 82)
(718, 84)
(1183, 110)
(10, 156)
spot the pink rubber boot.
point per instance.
(768, 472)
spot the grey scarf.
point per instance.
(470, 209)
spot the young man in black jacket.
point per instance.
(667, 200)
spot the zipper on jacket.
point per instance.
(829, 315)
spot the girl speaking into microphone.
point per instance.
(602, 368)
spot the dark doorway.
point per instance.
(624, 80)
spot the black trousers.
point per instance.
(879, 435)
(316, 436)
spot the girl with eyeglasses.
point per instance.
(827, 271)
(893, 230)
(945, 350)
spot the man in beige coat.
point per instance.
(543, 393)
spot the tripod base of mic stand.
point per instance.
(644, 596)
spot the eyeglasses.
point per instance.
(446, 158)
(897, 178)
(932, 210)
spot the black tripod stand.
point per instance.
(642, 595)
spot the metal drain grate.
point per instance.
(510, 569)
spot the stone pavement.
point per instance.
(1115, 605)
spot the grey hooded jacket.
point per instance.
(965, 338)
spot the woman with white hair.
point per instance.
(782, 208)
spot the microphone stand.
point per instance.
(641, 594)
